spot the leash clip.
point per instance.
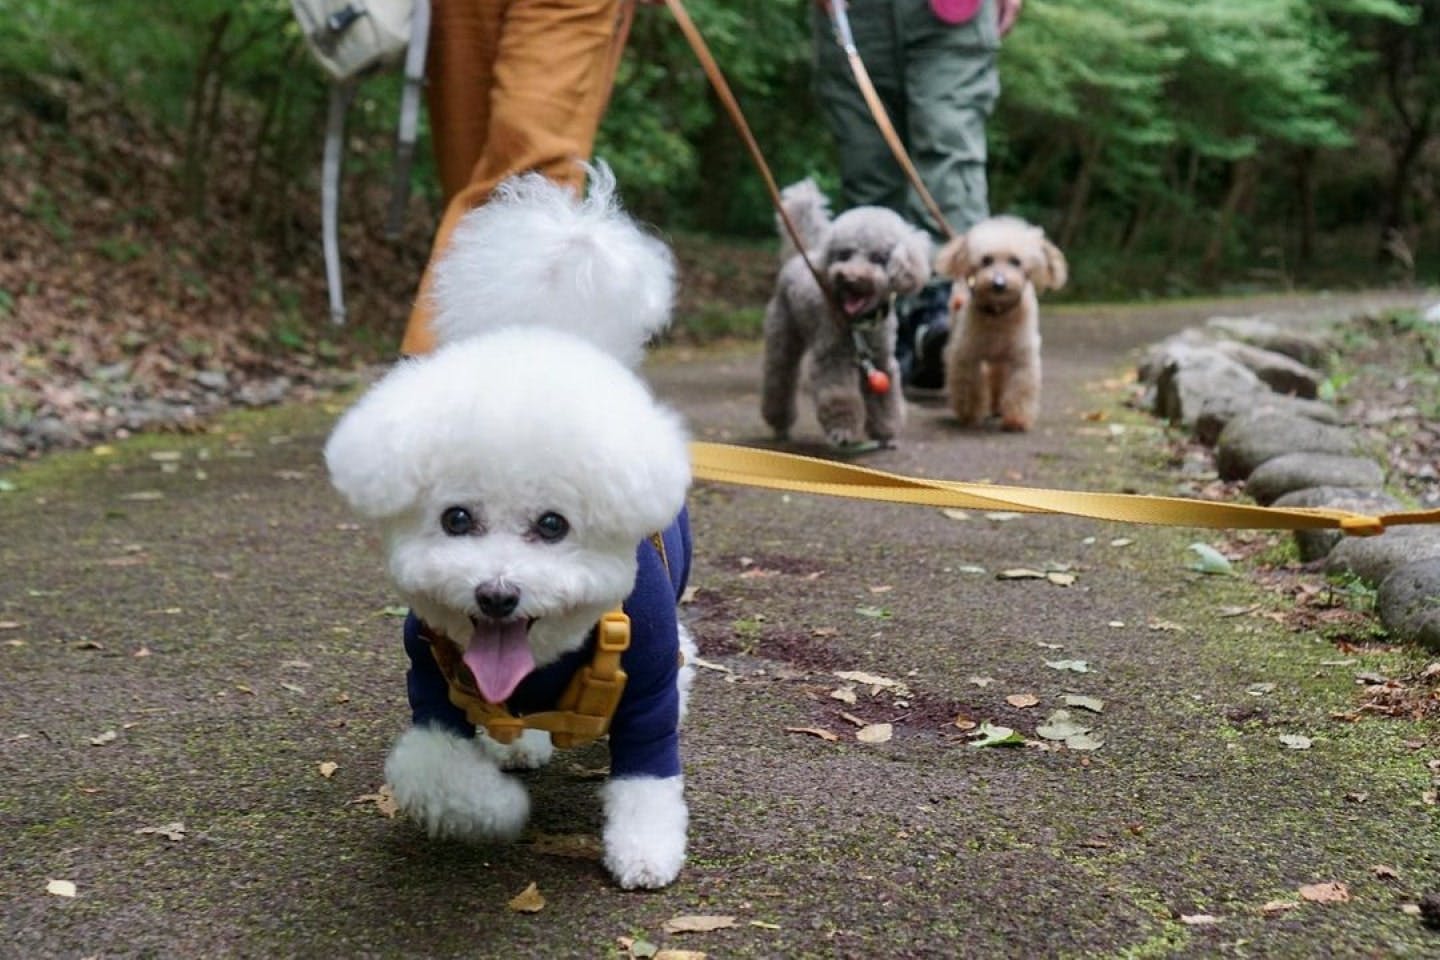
(1362, 526)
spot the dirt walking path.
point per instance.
(200, 674)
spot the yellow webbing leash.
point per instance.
(773, 470)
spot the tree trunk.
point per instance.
(1184, 205)
(202, 97)
(1134, 224)
(1305, 198)
(1075, 209)
(1242, 178)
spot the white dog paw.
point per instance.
(529, 751)
(685, 680)
(450, 787)
(645, 824)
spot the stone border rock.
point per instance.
(1247, 387)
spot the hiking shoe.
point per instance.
(923, 329)
(927, 371)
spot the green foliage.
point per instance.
(1138, 130)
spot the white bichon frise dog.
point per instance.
(528, 485)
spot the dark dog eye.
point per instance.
(986, 260)
(551, 527)
(457, 521)
(1015, 261)
(840, 253)
(879, 258)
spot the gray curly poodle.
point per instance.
(867, 257)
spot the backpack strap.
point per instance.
(409, 116)
(341, 94)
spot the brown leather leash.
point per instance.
(737, 117)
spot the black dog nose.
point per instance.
(998, 282)
(496, 600)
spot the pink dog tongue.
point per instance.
(499, 658)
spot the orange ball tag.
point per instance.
(878, 381)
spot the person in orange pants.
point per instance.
(514, 86)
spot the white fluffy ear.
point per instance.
(367, 453)
(536, 255)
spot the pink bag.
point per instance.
(956, 11)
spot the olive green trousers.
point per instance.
(939, 84)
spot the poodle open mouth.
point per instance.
(498, 655)
(856, 301)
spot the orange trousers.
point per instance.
(513, 86)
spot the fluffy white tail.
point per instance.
(809, 210)
(537, 255)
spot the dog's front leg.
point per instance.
(835, 381)
(1019, 395)
(967, 383)
(452, 788)
(645, 824)
(784, 350)
(885, 412)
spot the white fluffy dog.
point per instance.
(527, 483)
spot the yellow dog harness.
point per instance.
(584, 710)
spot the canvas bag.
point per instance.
(353, 39)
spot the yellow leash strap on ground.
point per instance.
(771, 469)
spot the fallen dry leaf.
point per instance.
(637, 949)
(328, 768)
(875, 733)
(61, 888)
(384, 800)
(1020, 573)
(704, 664)
(844, 695)
(101, 739)
(1198, 919)
(528, 900)
(1325, 893)
(875, 682)
(1022, 700)
(697, 923)
(576, 846)
(1296, 742)
(170, 831)
(1383, 872)
(672, 954)
(820, 732)
(1279, 906)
